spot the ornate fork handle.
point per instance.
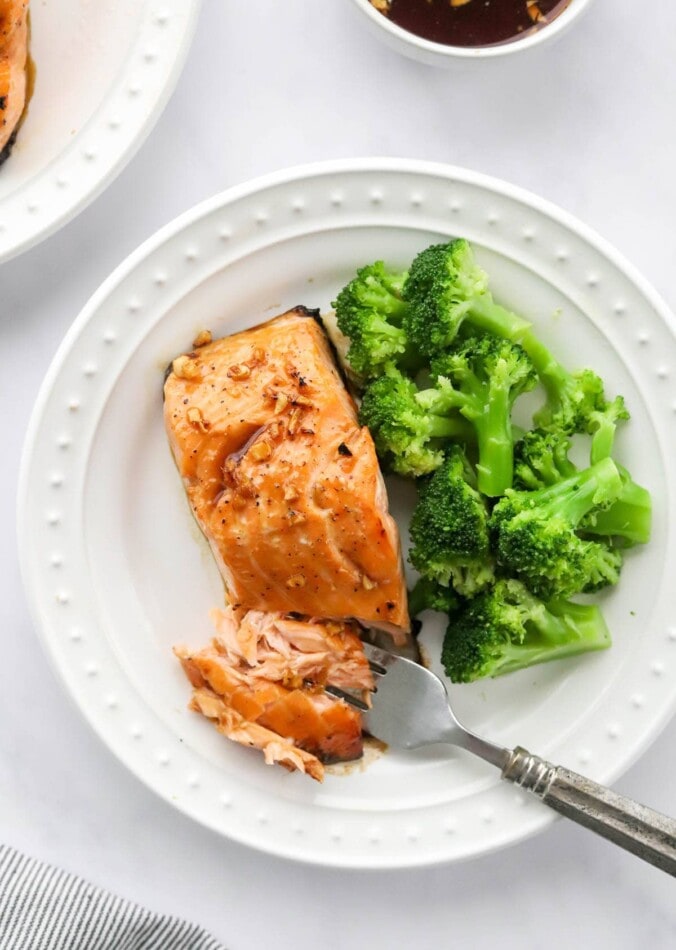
(644, 832)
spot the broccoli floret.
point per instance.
(506, 629)
(571, 398)
(430, 595)
(535, 534)
(541, 459)
(408, 437)
(370, 312)
(444, 288)
(449, 529)
(576, 402)
(487, 374)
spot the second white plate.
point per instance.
(104, 72)
(116, 570)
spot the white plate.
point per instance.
(116, 570)
(104, 72)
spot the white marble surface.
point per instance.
(588, 124)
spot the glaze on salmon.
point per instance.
(282, 479)
(234, 726)
(13, 59)
(261, 681)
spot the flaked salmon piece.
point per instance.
(284, 649)
(282, 479)
(13, 58)
(266, 671)
(306, 717)
(235, 727)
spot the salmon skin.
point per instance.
(260, 680)
(13, 59)
(282, 479)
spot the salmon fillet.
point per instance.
(281, 478)
(235, 727)
(13, 57)
(261, 680)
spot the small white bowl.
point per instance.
(442, 54)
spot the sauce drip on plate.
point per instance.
(471, 22)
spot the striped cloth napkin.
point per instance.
(44, 908)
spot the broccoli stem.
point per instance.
(382, 327)
(552, 374)
(603, 440)
(486, 314)
(602, 424)
(451, 427)
(382, 301)
(488, 410)
(495, 467)
(629, 517)
(558, 383)
(574, 497)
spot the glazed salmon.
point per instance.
(235, 727)
(261, 681)
(281, 477)
(13, 58)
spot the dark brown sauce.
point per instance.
(373, 750)
(475, 23)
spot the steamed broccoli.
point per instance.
(534, 534)
(571, 398)
(629, 518)
(408, 436)
(487, 374)
(503, 577)
(541, 459)
(430, 595)
(576, 402)
(370, 312)
(506, 629)
(602, 425)
(449, 529)
(444, 288)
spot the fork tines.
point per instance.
(378, 659)
(352, 697)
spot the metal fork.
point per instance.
(411, 709)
